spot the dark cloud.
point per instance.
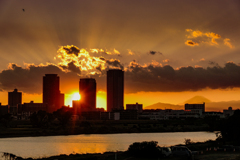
(99, 67)
(166, 79)
(29, 79)
(213, 63)
(102, 58)
(71, 49)
(154, 52)
(72, 67)
(111, 62)
(191, 43)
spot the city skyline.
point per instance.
(169, 51)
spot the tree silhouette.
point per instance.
(230, 130)
(63, 115)
(145, 149)
(6, 119)
(41, 118)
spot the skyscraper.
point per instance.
(87, 90)
(115, 89)
(51, 92)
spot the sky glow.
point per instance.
(170, 51)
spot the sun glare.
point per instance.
(76, 96)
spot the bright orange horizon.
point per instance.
(145, 98)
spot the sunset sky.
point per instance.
(170, 50)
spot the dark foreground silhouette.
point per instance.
(62, 122)
(149, 151)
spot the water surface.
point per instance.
(95, 143)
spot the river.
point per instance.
(36, 147)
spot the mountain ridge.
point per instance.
(209, 105)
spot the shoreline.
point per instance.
(124, 155)
(25, 128)
(80, 142)
(49, 135)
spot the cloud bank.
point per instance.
(74, 63)
(166, 79)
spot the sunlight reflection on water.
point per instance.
(95, 143)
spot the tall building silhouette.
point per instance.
(51, 92)
(115, 89)
(87, 90)
(61, 99)
(14, 98)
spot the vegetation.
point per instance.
(5, 119)
(145, 149)
(230, 130)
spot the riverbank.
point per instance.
(24, 128)
(206, 155)
(205, 150)
(124, 156)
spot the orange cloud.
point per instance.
(203, 59)
(73, 59)
(207, 38)
(213, 36)
(116, 51)
(109, 52)
(81, 60)
(130, 52)
(196, 34)
(227, 43)
(166, 60)
(197, 66)
(155, 63)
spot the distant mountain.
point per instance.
(164, 106)
(214, 106)
(197, 99)
(209, 106)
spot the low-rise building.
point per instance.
(218, 114)
(4, 109)
(228, 112)
(167, 114)
(138, 107)
(195, 108)
(26, 109)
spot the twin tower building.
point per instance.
(87, 89)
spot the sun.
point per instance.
(76, 96)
